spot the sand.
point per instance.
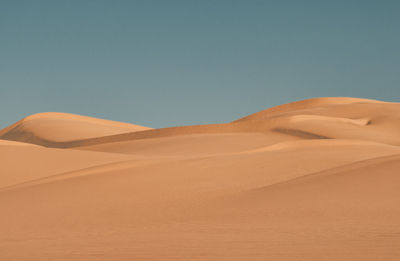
(311, 180)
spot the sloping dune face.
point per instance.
(312, 180)
(52, 128)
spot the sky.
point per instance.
(171, 63)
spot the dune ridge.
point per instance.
(51, 128)
(310, 180)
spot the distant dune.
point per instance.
(51, 128)
(316, 179)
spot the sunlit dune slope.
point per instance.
(21, 162)
(346, 118)
(216, 207)
(304, 105)
(51, 128)
(204, 144)
(319, 118)
(310, 180)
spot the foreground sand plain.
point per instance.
(317, 179)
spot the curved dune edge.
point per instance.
(122, 162)
(313, 180)
(305, 104)
(344, 118)
(233, 198)
(15, 143)
(50, 128)
(352, 167)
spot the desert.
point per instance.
(315, 179)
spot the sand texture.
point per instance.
(317, 179)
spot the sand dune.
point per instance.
(344, 118)
(312, 180)
(304, 105)
(23, 163)
(204, 144)
(49, 129)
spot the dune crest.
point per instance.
(305, 104)
(311, 180)
(50, 128)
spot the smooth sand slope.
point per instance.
(312, 180)
(51, 128)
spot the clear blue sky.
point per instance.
(166, 63)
